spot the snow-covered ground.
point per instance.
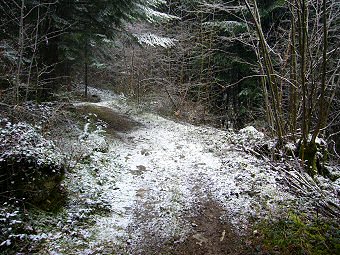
(151, 179)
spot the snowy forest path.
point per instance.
(158, 186)
(165, 191)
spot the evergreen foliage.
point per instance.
(217, 62)
(43, 39)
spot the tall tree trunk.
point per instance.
(269, 71)
(302, 14)
(323, 105)
(293, 77)
(34, 53)
(86, 67)
(21, 54)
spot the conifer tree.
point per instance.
(49, 36)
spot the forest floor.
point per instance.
(150, 185)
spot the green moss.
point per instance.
(315, 155)
(310, 157)
(298, 234)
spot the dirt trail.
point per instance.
(162, 188)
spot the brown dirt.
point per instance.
(115, 121)
(210, 235)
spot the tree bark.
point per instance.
(86, 67)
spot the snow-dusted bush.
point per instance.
(17, 235)
(247, 136)
(12, 227)
(250, 133)
(31, 167)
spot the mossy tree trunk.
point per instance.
(308, 152)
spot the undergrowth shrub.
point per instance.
(298, 234)
(17, 236)
(31, 167)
